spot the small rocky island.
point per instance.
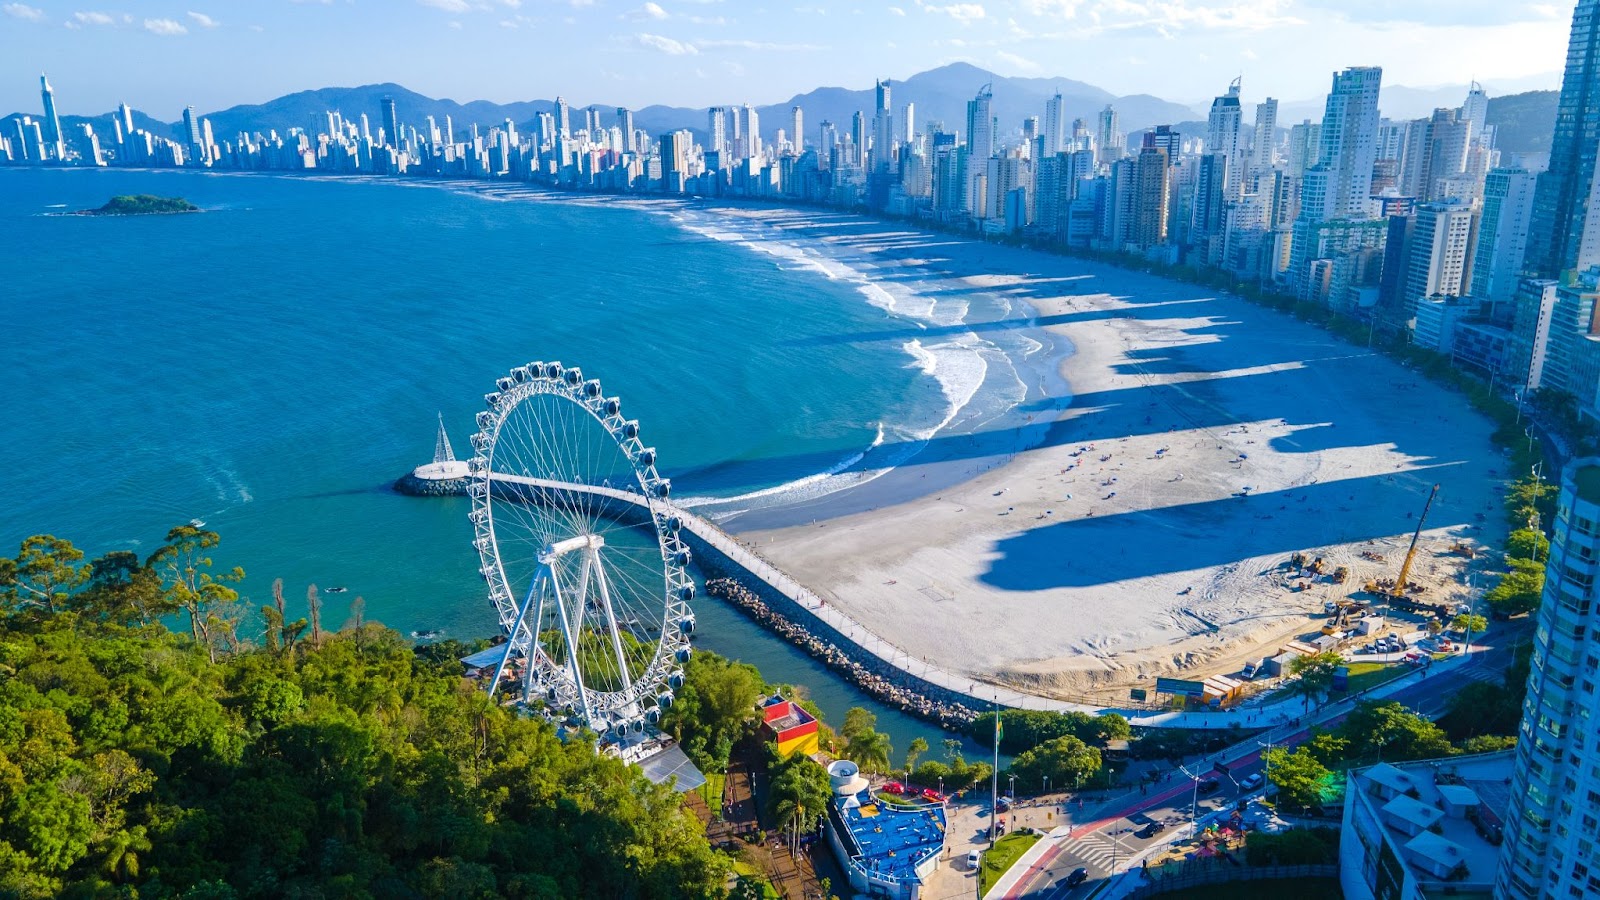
(141, 205)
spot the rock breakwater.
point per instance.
(889, 684)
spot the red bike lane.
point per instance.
(1043, 863)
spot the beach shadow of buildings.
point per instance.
(1093, 551)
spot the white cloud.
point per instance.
(964, 13)
(650, 11)
(165, 27)
(23, 11)
(757, 45)
(667, 45)
(1166, 17)
(93, 18)
(454, 6)
(203, 20)
(1020, 62)
(895, 10)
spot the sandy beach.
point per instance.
(1117, 491)
(1194, 443)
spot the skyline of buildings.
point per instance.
(1417, 226)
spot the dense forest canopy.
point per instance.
(142, 761)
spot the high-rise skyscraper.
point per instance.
(563, 119)
(1110, 139)
(980, 143)
(797, 129)
(55, 144)
(126, 115)
(1502, 234)
(1054, 126)
(1564, 188)
(1338, 186)
(717, 129)
(1222, 137)
(1435, 151)
(191, 132)
(1475, 110)
(625, 125)
(908, 123)
(391, 123)
(858, 137)
(751, 125)
(1555, 786)
(1266, 144)
(1437, 258)
(1148, 227)
(882, 130)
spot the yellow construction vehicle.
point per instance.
(1399, 590)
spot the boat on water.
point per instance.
(197, 523)
(426, 635)
(337, 590)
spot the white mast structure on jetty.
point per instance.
(445, 466)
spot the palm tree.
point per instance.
(122, 853)
(918, 747)
(870, 750)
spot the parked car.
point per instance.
(894, 787)
(1250, 669)
(1252, 781)
(1003, 804)
(974, 860)
(1078, 876)
(1210, 785)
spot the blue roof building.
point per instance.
(886, 850)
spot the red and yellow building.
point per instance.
(789, 726)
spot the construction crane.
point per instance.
(1411, 554)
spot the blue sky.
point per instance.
(162, 56)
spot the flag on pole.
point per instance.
(999, 728)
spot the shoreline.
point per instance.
(1242, 610)
(1004, 573)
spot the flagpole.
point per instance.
(994, 778)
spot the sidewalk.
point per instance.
(1024, 866)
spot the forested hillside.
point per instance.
(136, 761)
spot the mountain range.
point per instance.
(940, 95)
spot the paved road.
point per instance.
(1111, 838)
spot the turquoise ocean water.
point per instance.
(271, 365)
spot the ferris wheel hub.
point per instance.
(581, 542)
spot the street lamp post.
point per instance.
(1046, 784)
(1472, 610)
(1194, 802)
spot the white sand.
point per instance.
(1083, 572)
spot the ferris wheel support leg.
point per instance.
(516, 629)
(611, 621)
(568, 635)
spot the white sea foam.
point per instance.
(958, 362)
(797, 487)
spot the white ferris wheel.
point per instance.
(581, 550)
